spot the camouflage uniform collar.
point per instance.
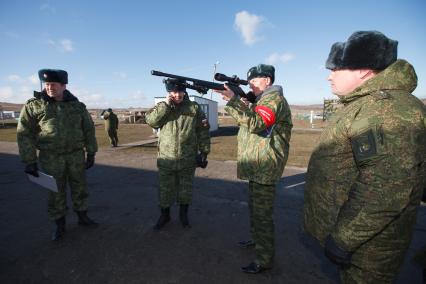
(269, 90)
(398, 76)
(68, 97)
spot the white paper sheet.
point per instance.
(45, 181)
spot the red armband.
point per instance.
(267, 115)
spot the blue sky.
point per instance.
(110, 47)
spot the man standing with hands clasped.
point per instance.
(263, 145)
(58, 125)
(366, 176)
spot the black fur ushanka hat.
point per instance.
(363, 49)
(53, 75)
(174, 85)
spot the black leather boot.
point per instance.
(254, 268)
(59, 231)
(164, 218)
(247, 244)
(183, 214)
(84, 220)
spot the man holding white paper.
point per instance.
(58, 125)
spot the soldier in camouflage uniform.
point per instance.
(59, 126)
(365, 178)
(111, 126)
(184, 143)
(263, 147)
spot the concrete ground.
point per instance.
(125, 249)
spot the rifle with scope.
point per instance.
(202, 86)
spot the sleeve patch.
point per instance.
(364, 146)
(267, 115)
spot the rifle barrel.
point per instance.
(197, 82)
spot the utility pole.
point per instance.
(214, 72)
(1, 116)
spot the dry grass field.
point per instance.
(224, 141)
(303, 141)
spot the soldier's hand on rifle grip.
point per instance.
(32, 169)
(90, 160)
(227, 94)
(251, 97)
(245, 101)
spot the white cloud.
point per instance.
(248, 25)
(275, 58)
(16, 79)
(67, 45)
(134, 99)
(6, 93)
(46, 8)
(138, 96)
(121, 75)
(20, 90)
(34, 79)
(13, 78)
(64, 45)
(92, 100)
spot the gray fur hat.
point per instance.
(363, 49)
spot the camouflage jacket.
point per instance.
(263, 143)
(368, 171)
(111, 121)
(184, 131)
(60, 127)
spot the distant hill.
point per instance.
(10, 106)
(294, 108)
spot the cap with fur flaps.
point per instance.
(363, 49)
(53, 75)
(261, 70)
(174, 85)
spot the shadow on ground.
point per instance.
(124, 248)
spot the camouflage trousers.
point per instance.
(175, 185)
(378, 260)
(113, 137)
(261, 206)
(65, 168)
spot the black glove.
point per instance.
(251, 97)
(90, 160)
(202, 160)
(32, 169)
(336, 254)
